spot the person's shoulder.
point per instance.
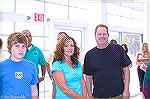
(29, 65)
(27, 62)
(6, 64)
(5, 61)
(36, 48)
(91, 51)
(58, 62)
(119, 45)
(78, 62)
(116, 46)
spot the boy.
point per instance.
(18, 77)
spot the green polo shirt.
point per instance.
(36, 56)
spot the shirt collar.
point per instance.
(29, 48)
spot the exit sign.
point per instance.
(39, 17)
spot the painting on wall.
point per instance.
(133, 40)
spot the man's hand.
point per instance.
(126, 94)
(41, 79)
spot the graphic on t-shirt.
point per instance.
(18, 75)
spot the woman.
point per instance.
(67, 70)
(142, 62)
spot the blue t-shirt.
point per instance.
(73, 78)
(106, 65)
(16, 78)
(36, 56)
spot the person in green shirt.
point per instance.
(146, 83)
(35, 55)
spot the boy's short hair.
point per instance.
(16, 37)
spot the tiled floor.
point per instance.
(137, 96)
(134, 83)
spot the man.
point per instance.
(103, 65)
(35, 55)
(18, 77)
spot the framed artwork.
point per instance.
(133, 41)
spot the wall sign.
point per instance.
(39, 17)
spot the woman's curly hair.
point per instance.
(59, 51)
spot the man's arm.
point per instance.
(48, 70)
(89, 84)
(126, 72)
(84, 87)
(43, 70)
(34, 92)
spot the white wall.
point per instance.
(94, 16)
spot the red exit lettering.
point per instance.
(39, 17)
